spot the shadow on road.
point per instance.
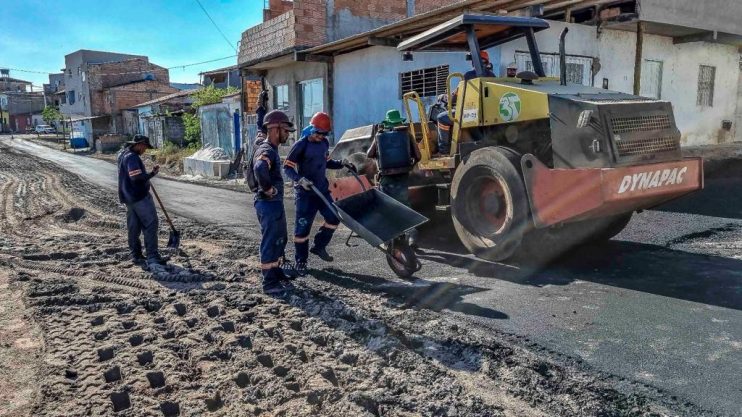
(719, 198)
(640, 267)
(420, 294)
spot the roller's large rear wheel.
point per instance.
(489, 206)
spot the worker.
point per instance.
(306, 165)
(444, 119)
(268, 187)
(395, 182)
(141, 215)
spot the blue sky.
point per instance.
(37, 34)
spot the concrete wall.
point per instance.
(291, 75)
(738, 121)
(367, 82)
(719, 15)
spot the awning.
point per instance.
(79, 117)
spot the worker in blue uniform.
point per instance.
(306, 165)
(141, 215)
(266, 168)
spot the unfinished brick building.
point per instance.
(99, 85)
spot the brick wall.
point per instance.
(377, 9)
(127, 96)
(277, 8)
(101, 76)
(311, 22)
(252, 92)
(268, 38)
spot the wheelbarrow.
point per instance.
(381, 221)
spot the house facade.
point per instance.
(10, 84)
(222, 77)
(54, 91)
(17, 110)
(689, 55)
(99, 85)
(161, 119)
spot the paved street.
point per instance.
(660, 304)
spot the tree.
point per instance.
(51, 114)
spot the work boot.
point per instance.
(301, 269)
(274, 289)
(322, 253)
(138, 259)
(156, 262)
(289, 271)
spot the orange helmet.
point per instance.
(484, 55)
(321, 121)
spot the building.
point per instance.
(99, 85)
(54, 90)
(221, 78)
(161, 118)
(7, 83)
(688, 53)
(17, 110)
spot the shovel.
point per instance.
(174, 240)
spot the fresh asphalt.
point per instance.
(660, 304)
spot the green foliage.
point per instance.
(211, 95)
(203, 97)
(192, 129)
(51, 114)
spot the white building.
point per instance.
(689, 54)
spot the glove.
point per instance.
(350, 166)
(305, 183)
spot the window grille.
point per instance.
(427, 82)
(706, 79)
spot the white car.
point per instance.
(44, 129)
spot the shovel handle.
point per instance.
(167, 216)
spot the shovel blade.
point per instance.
(174, 240)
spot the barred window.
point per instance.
(427, 82)
(706, 79)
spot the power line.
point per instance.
(216, 26)
(131, 72)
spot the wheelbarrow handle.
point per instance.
(358, 178)
(324, 200)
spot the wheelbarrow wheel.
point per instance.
(402, 259)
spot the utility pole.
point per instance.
(638, 58)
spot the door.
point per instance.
(651, 81)
(312, 99)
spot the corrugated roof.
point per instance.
(168, 97)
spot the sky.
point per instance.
(35, 35)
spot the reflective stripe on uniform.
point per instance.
(290, 164)
(299, 239)
(135, 172)
(329, 226)
(265, 158)
(443, 126)
(270, 265)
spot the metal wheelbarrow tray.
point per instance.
(381, 221)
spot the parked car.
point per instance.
(44, 129)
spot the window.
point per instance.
(427, 82)
(651, 81)
(281, 97)
(706, 78)
(579, 68)
(71, 97)
(312, 99)
(83, 76)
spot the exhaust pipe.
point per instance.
(563, 58)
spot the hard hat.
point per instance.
(321, 121)
(277, 117)
(484, 55)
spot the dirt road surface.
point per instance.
(199, 339)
